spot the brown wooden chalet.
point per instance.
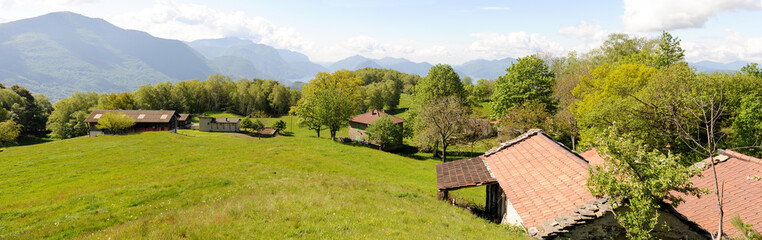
(145, 120)
(184, 121)
(539, 184)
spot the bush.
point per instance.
(279, 125)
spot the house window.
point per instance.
(141, 116)
(97, 116)
(163, 116)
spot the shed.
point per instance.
(539, 184)
(210, 124)
(184, 121)
(145, 120)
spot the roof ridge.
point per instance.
(741, 156)
(525, 136)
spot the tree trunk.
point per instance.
(444, 151)
(318, 132)
(718, 197)
(333, 135)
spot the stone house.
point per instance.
(145, 120)
(538, 184)
(210, 124)
(359, 123)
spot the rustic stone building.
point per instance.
(210, 124)
(539, 184)
(359, 123)
(145, 120)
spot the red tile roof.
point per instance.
(463, 173)
(542, 178)
(592, 157)
(368, 117)
(742, 194)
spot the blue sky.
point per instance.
(429, 30)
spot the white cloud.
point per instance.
(734, 46)
(658, 15)
(496, 8)
(514, 44)
(373, 48)
(170, 19)
(586, 32)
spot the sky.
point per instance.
(434, 31)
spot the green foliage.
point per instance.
(384, 132)
(444, 119)
(69, 114)
(527, 80)
(638, 179)
(521, 119)
(257, 125)
(114, 123)
(279, 125)
(329, 100)
(9, 132)
(747, 125)
(121, 101)
(442, 81)
(746, 230)
(29, 110)
(669, 51)
(752, 69)
(246, 123)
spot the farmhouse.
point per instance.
(742, 194)
(537, 183)
(359, 123)
(184, 121)
(210, 124)
(145, 120)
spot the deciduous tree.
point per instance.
(384, 132)
(115, 123)
(444, 119)
(527, 80)
(9, 131)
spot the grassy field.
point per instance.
(218, 185)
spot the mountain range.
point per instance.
(62, 52)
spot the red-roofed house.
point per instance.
(742, 176)
(539, 184)
(359, 123)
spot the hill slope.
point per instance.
(59, 53)
(216, 185)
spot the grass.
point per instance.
(160, 185)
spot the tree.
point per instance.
(527, 80)
(669, 51)
(441, 81)
(638, 179)
(9, 131)
(115, 123)
(279, 125)
(752, 69)
(257, 126)
(329, 100)
(444, 119)
(521, 119)
(69, 114)
(246, 123)
(475, 130)
(747, 125)
(384, 132)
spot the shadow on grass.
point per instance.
(397, 111)
(32, 140)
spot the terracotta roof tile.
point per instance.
(368, 117)
(592, 157)
(542, 178)
(463, 173)
(742, 194)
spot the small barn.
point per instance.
(184, 121)
(210, 124)
(539, 184)
(359, 123)
(145, 120)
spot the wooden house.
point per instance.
(184, 121)
(538, 184)
(145, 120)
(358, 124)
(210, 124)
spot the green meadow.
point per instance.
(199, 185)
